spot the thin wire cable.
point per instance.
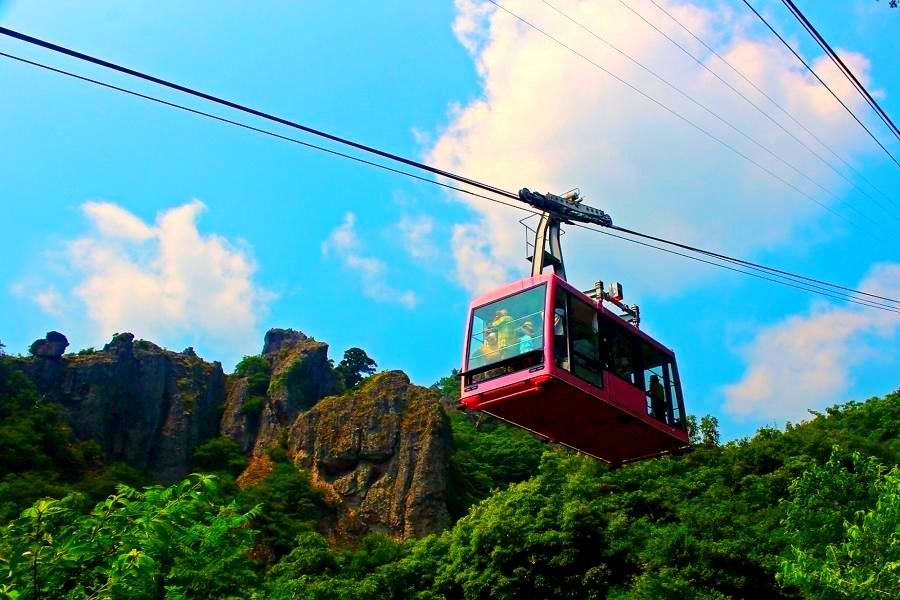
(730, 65)
(750, 264)
(816, 75)
(258, 113)
(693, 124)
(228, 103)
(779, 282)
(845, 70)
(724, 82)
(252, 128)
(846, 297)
(708, 109)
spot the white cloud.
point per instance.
(113, 221)
(163, 281)
(417, 236)
(344, 243)
(807, 361)
(549, 121)
(50, 301)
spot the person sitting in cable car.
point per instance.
(487, 352)
(657, 398)
(526, 340)
(560, 346)
(506, 332)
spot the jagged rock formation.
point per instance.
(52, 346)
(144, 405)
(383, 451)
(300, 376)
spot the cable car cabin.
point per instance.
(546, 357)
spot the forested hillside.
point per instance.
(810, 511)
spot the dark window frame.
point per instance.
(570, 344)
(468, 374)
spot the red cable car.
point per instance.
(546, 357)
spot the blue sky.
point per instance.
(124, 215)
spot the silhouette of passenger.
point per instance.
(657, 398)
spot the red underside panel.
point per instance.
(567, 415)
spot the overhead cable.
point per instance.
(724, 121)
(848, 294)
(699, 128)
(842, 67)
(820, 80)
(750, 82)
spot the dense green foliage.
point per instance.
(219, 455)
(355, 366)
(811, 511)
(39, 457)
(487, 455)
(177, 542)
(844, 522)
(258, 373)
(291, 506)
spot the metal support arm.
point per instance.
(547, 231)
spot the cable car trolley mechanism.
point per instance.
(572, 367)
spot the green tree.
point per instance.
(219, 454)
(487, 458)
(449, 386)
(290, 506)
(709, 430)
(38, 455)
(842, 520)
(693, 430)
(355, 365)
(178, 542)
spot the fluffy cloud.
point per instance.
(550, 121)
(344, 243)
(416, 234)
(806, 361)
(164, 280)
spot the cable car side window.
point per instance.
(619, 345)
(660, 385)
(584, 326)
(506, 335)
(561, 330)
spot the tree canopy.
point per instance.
(355, 366)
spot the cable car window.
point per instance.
(560, 331)
(584, 326)
(619, 344)
(660, 385)
(508, 333)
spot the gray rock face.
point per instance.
(144, 405)
(237, 424)
(383, 451)
(51, 347)
(276, 339)
(300, 377)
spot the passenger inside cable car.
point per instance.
(585, 378)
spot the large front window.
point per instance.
(506, 335)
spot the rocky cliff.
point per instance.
(383, 452)
(144, 405)
(300, 376)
